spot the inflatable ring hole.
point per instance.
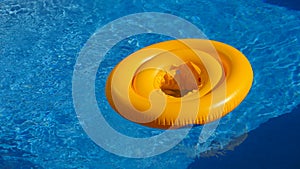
(186, 79)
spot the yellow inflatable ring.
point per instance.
(179, 82)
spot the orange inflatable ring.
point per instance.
(179, 82)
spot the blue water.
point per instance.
(273, 145)
(290, 4)
(40, 41)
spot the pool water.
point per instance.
(41, 39)
(277, 149)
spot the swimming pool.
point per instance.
(40, 41)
